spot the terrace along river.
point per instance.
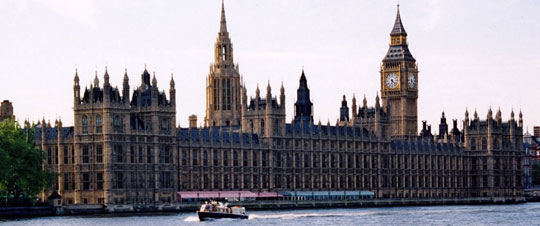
(518, 214)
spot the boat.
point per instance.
(218, 210)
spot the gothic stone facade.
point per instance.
(128, 151)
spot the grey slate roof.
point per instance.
(398, 28)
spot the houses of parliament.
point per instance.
(124, 146)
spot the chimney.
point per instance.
(193, 121)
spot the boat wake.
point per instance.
(191, 219)
(302, 215)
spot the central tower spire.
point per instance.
(223, 85)
(223, 23)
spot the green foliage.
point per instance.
(536, 174)
(21, 163)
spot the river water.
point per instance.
(518, 214)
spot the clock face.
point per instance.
(411, 80)
(392, 80)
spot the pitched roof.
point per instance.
(398, 28)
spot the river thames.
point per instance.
(518, 214)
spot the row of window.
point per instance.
(94, 180)
(117, 123)
(239, 181)
(242, 159)
(94, 154)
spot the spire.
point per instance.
(364, 102)
(303, 106)
(106, 78)
(512, 115)
(145, 77)
(125, 74)
(126, 79)
(282, 90)
(398, 28)
(172, 81)
(96, 81)
(76, 79)
(520, 119)
(257, 92)
(223, 23)
(377, 104)
(154, 81)
(268, 89)
(303, 77)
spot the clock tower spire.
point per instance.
(399, 84)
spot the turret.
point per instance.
(125, 88)
(498, 117)
(43, 133)
(244, 97)
(456, 134)
(268, 100)
(354, 108)
(106, 87)
(172, 91)
(154, 89)
(512, 115)
(364, 103)
(303, 108)
(344, 111)
(377, 103)
(520, 124)
(443, 127)
(76, 89)
(96, 81)
(59, 127)
(282, 96)
(106, 78)
(154, 81)
(257, 93)
(466, 123)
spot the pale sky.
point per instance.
(471, 54)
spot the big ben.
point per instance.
(399, 84)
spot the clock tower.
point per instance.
(399, 84)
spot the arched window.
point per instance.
(164, 124)
(473, 144)
(484, 144)
(84, 124)
(224, 52)
(117, 122)
(262, 126)
(98, 124)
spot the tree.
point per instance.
(21, 163)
